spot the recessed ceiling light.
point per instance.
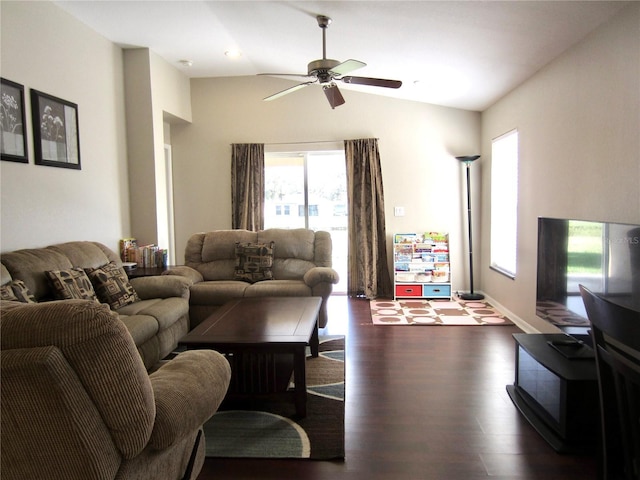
(186, 63)
(233, 53)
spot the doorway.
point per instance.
(308, 189)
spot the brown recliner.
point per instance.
(78, 403)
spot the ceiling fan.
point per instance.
(327, 71)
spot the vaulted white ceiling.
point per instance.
(463, 54)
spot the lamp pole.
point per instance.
(468, 160)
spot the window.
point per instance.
(504, 203)
(313, 210)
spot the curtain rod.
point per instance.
(302, 143)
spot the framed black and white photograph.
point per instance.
(55, 131)
(13, 142)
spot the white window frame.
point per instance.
(504, 203)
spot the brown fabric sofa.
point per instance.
(78, 403)
(301, 267)
(156, 321)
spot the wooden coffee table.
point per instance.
(264, 339)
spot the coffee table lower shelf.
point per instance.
(258, 375)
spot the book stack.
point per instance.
(149, 256)
(145, 256)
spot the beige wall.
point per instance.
(417, 145)
(156, 93)
(46, 49)
(579, 131)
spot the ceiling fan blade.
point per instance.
(347, 66)
(333, 95)
(376, 82)
(301, 75)
(287, 91)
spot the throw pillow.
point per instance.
(112, 285)
(17, 291)
(70, 284)
(6, 293)
(254, 261)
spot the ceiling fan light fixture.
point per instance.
(333, 95)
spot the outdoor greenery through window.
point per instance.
(504, 203)
(308, 189)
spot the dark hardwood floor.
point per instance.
(423, 403)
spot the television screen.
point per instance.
(602, 256)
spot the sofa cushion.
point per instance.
(71, 284)
(254, 261)
(294, 254)
(212, 254)
(165, 311)
(220, 244)
(18, 291)
(217, 292)
(85, 254)
(295, 243)
(29, 266)
(112, 285)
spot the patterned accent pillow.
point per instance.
(254, 261)
(70, 284)
(112, 285)
(17, 291)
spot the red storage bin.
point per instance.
(408, 290)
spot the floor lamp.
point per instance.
(468, 160)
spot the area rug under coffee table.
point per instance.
(436, 312)
(267, 429)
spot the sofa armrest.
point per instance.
(187, 272)
(161, 286)
(188, 390)
(317, 275)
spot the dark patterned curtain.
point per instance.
(247, 186)
(368, 270)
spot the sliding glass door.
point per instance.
(309, 190)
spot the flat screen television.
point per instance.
(602, 256)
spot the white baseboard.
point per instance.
(519, 322)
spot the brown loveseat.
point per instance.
(157, 317)
(300, 266)
(78, 403)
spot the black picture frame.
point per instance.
(13, 135)
(56, 136)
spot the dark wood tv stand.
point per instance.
(556, 394)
